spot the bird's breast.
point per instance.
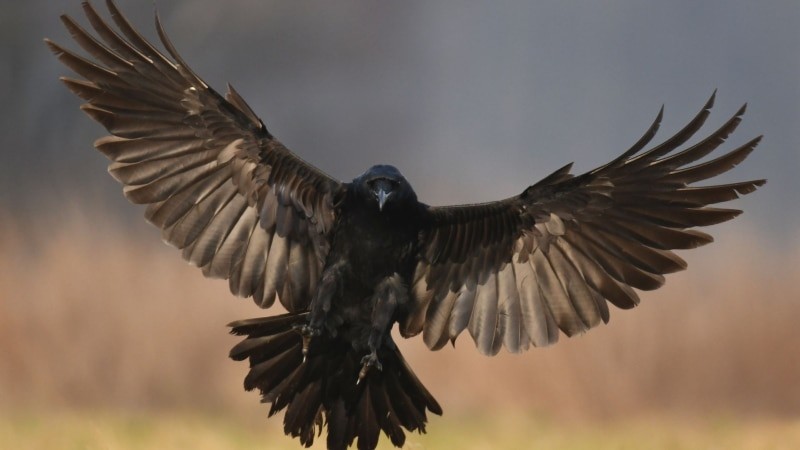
(375, 246)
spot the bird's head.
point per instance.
(384, 186)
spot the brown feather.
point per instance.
(574, 243)
(201, 162)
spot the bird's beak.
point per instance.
(382, 196)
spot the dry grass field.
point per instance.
(202, 432)
(108, 340)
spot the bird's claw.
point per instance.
(368, 361)
(307, 332)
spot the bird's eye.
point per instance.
(383, 181)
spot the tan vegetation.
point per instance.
(203, 432)
(95, 316)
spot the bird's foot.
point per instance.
(307, 332)
(367, 362)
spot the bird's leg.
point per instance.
(307, 332)
(390, 293)
(320, 305)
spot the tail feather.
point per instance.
(322, 391)
(389, 422)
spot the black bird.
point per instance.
(349, 260)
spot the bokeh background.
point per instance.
(109, 340)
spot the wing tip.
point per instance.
(100, 115)
(54, 47)
(710, 103)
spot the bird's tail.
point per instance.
(323, 390)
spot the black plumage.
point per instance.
(349, 260)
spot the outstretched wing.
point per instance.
(238, 203)
(516, 271)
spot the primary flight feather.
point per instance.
(349, 260)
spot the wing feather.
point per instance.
(516, 271)
(228, 252)
(214, 236)
(555, 297)
(509, 313)
(437, 319)
(540, 326)
(205, 243)
(239, 204)
(483, 321)
(461, 312)
(578, 293)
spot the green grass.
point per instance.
(82, 431)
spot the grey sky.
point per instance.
(472, 100)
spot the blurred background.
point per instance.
(109, 340)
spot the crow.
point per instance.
(348, 261)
